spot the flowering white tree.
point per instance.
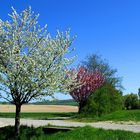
(32, 63)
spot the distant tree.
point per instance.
(139, 93)
(95, 62)
(131, 101)
(90, 81)
(32, 63)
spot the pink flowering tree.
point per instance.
(90, 81)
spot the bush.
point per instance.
(26, 133)
(131, 101)
(105, 100)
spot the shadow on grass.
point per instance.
(27, 133)
(81, 133)
(38, 115)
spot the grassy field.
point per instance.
(123, 115)
(36, 115)
(40, 108)
(50, 111)
(89, 133)
(83, 133)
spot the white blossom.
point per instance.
(32, 63)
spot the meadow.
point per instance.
(38, 115)
(84, 133)
(122, 115)
(58, 111)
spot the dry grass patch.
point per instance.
(39, 108)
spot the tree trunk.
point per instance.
(81, 105)
(79, 111)
(17, 121)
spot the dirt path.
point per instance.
(104, 125)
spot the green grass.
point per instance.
(89, 133)
(83, 133)
(37, 115)
(123, 115)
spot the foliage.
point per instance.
(90, 82)
(139, 93)
(83, 133)
(131, 101)
(6, 133)
(32, 63)
(95, 62)
(104, 100)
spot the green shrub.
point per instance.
(27, 133)
(131, 101)
(105, 100)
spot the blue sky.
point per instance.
(110, 28)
